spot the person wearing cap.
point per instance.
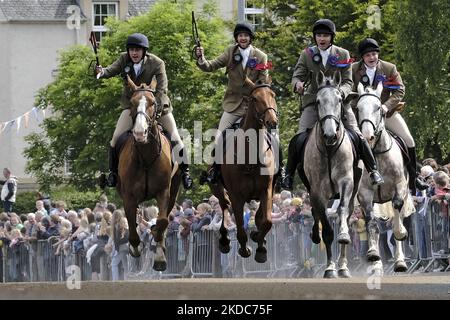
(328, 58)
(241, 60)
(371, 70)
(141, 66)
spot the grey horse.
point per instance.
(329, 168)
(394, 192)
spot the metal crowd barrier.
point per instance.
(290, 253)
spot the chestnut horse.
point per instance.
(248, 171)
(145, 171)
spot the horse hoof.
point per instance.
(245, 253)
(224, 246)
(344, 273)
(373, 256)
(159, 265)
(344, 238)
(400, 266)
(261, 255)
(330, 274)
(254, 236)
(135, 252)
(401, 237)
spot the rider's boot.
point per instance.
(113, 167)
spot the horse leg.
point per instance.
(346, 194)
(327, 236)
(399, 264)
(219, 191)
(263, 221)
(365, 198)
(343, 271)
(238, 206)
(135, 245)
(160, 262)
(400, 232)
(315, 235)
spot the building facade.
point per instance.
(31, 34)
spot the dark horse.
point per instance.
(145, 171)
(245, 178)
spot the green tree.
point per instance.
(424, 56)
(85, 110)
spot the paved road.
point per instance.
(390, 287)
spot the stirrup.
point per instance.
(187, 180)
(112, 180)
(287, 183)
(376, 177)
(213, 175)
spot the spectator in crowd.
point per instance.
(15, 221)
(9, 190)
(202, 218)
(60, 209)
(430, 162)
(442, 185)
(97, 251)
(119, 239)
(40, 207)
(72, 216)
(49, 227)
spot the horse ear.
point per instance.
(337, 78)
(319, 78)
(379, 89)
(249, 83)
(360, 88)
(131, 84)
(269, 79)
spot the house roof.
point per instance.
(138, 7)
(36, 10)
(53, 10)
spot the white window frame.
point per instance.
(252, 11)
(68, 163)
(101, 29)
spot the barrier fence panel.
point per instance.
(290, 253)
(252, 268)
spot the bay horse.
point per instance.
(145, 171)
(330, 168)
(247, 179)
(391, 165)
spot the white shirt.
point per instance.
(370, 73)
(325, 54)
(245, 53)
(137, 68)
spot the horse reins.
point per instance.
(376, 128)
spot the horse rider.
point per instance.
(241, 60)
(142, 67)
(370, 70)
(325, 57)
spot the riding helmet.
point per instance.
(137, 40)
(243, 27)
(324, 26)
(368, 45)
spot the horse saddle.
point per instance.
(402, 145)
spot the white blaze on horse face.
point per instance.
(368, 109)
(140, 125)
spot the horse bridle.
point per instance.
(260, 115)
(376, 128)
(329, 116)
(149, 119)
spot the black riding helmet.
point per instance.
(324, 26)
(243, 27)
(137, 40)
(368, 45)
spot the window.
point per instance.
(68, 162)
(252, 14)
(101, 11)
